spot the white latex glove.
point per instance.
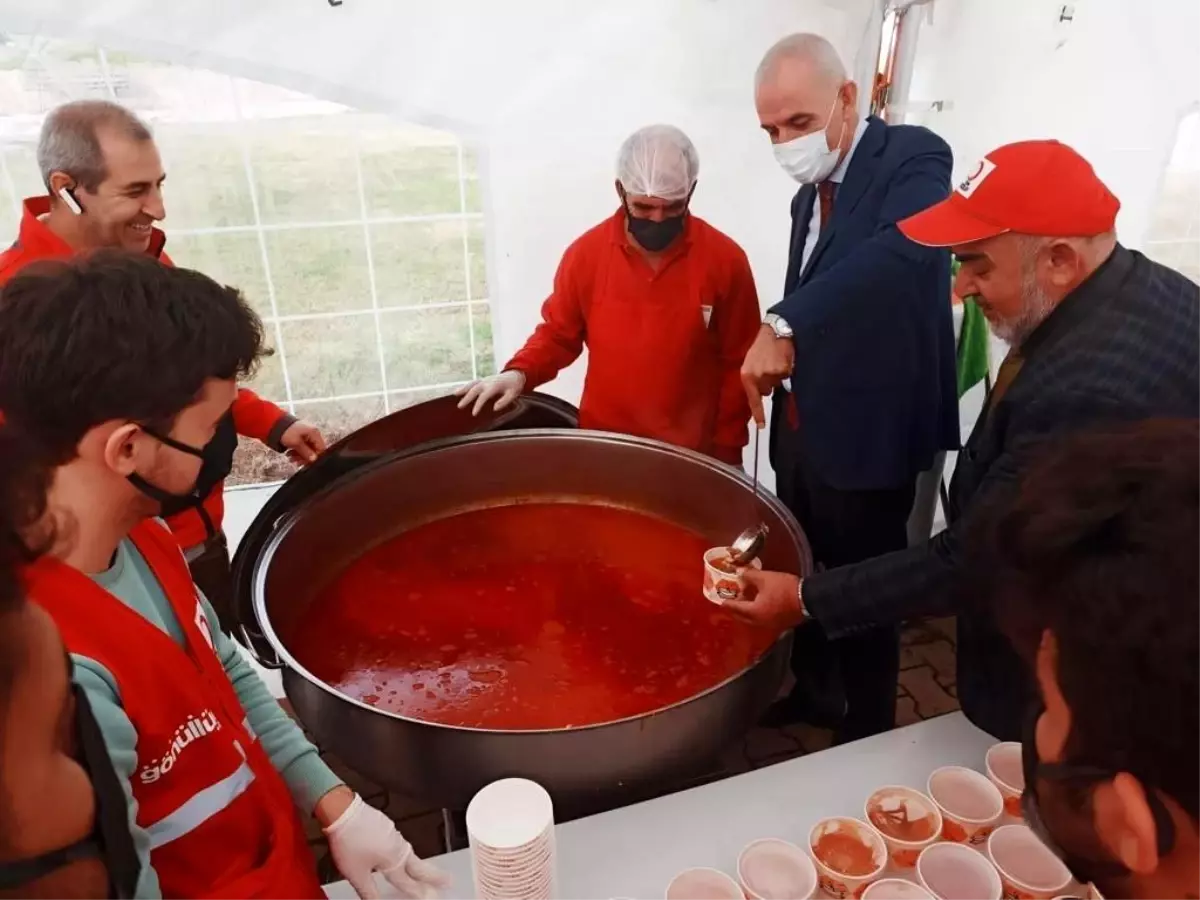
(504, 388)
(364, 841)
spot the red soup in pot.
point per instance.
(539, 615)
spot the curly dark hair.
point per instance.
(115, 336)
(1098, 544)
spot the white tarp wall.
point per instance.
(1113, 82)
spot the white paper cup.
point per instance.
(510, 828)
(956, 872)
(721, 586)
(771, 869)
(1028, 868)
(1004, 770)
(895, 889)
(509, 814)
(535, 867)
(903, 852)
(970, 805)
(703, 884)
(493, 882)
(543, 891)
(840, 884)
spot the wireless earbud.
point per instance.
(68, 197)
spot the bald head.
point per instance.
(801, 87)
(810, 52)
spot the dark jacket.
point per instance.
(874, 380)
(1121, 347)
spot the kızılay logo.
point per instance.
(971, 183)
(193, 729)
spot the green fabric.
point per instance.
(133, 583)
(973, 353)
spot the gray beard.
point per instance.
(1036, 305)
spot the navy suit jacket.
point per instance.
(874, 380)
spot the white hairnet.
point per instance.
(658, 161)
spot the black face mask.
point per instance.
(110, 839)
(1074, 776)
(216, 463)
(655, 236)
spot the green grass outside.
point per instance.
(304, 173)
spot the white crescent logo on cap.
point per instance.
(971, 183)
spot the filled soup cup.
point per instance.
(916, 806)
(833, 877)
(722, 579)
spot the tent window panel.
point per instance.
(207, 184)
(358, 238)
(419, 263)
(230, 257)
(331, 358)
(319, 270)
(305, 170)
(403, 180)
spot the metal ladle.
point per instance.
(749, 543)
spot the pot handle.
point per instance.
(256, 645)
(246, 630)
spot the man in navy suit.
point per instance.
(859, 354)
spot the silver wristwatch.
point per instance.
(804, 613)
(779, 325)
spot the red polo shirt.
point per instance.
(253, 416)
(665, 346)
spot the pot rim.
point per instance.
(286, 522)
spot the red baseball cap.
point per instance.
(1042, 188)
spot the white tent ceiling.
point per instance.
(467, 65)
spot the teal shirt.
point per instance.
(132, 582)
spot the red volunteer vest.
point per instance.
(220, 818)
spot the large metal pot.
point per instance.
(447, 765)
(404, 429)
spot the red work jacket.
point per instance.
(665, 347)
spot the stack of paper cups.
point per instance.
(510, 825)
